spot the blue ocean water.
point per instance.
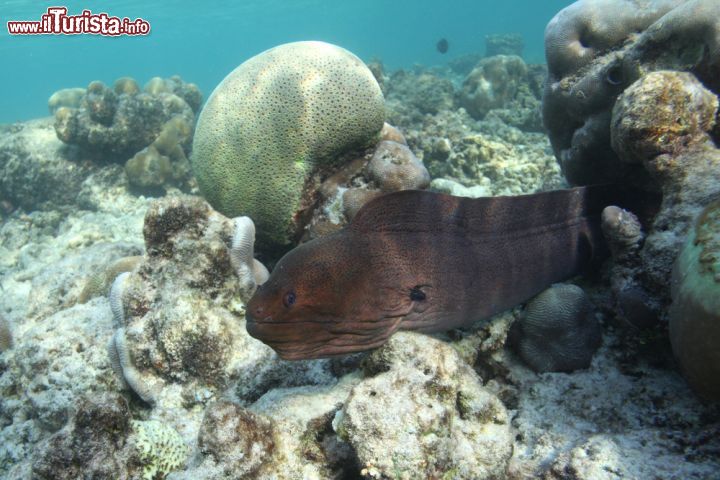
(203, 41)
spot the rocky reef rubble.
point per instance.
(488, 156)
(502, 86)
(479, 133)
(35, 172)
(422, 411)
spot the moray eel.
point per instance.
(423, 261)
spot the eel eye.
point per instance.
(289, 299)
(614, 76)
(416, 294)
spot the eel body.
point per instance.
(416, 260)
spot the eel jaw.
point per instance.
(321, 339)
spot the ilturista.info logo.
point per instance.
(57, 22)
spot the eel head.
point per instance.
(324, 298)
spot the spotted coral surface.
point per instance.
(276, 119)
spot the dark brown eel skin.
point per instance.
(424, 261)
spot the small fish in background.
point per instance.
(442, 45)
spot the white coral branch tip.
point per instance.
(250, 271)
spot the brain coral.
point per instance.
(273, 122)
(559, 331)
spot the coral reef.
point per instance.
(150, 130)
(499, 88)
(502, 153)
(266, 131)
(463, 64)
(634, 100)
(695, 311)
(423, 413)
(416, 408)
(163, 162)
(173, 85)
(389, 167)
(286, 434)
(662, 123)
(115, 126)
(495, 156)
(59, 353)
(182, 322)
(682, 116)
(424, 91)
(623, 232)
(558, 331)
(190, 336)
(129, 86)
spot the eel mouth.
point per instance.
(311, 339)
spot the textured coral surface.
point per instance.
(273, 121)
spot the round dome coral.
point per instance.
(273, 122)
